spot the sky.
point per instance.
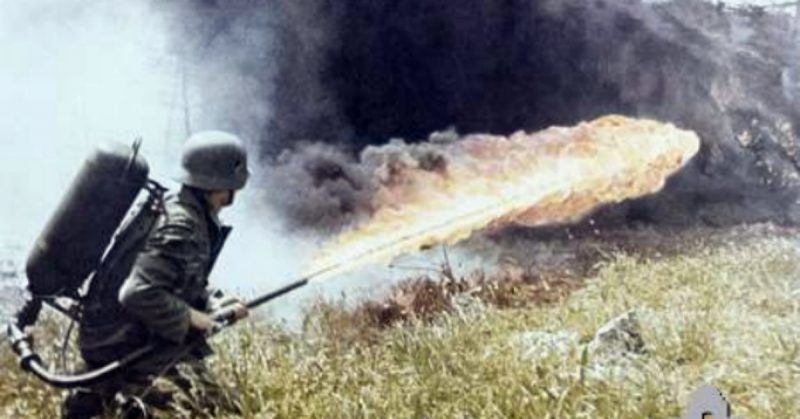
(74, 74)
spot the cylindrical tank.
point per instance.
(77, 234)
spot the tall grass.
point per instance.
(724, 312)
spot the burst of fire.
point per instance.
(554, 176)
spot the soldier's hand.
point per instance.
(231, 313)
(240, 310)
(218, 301)
(201, 321)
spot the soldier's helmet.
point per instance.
(214, 160)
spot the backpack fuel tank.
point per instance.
(77, 234)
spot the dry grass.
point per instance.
(724, 312)
(427, 298)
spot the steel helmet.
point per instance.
(214, 160)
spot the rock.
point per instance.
(620, 337)
(611, 353)
(540, 344)
(614, 349)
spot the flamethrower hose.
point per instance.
(31, 362)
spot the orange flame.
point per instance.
(554, 176)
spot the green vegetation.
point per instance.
(724, 312)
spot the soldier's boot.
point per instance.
(131, 407)
(82, 404)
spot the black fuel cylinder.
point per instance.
(77, 234)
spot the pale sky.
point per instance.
(74, 74)
(744, 2)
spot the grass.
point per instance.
(723, 311)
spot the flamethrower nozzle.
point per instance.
(277, 293)
(22, 345)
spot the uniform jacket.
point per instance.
(169, 275)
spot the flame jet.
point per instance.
(558, 175)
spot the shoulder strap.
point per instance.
(128, 240)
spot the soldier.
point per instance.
(165, 297)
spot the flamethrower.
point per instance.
(63, 275)
(32, 362)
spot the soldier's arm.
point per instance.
(149, 293)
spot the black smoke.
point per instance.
(354, 73)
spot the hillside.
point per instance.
(711, 306)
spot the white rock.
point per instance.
(620, 337)
(538, 344)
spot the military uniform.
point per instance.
(168, 276)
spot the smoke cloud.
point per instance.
(380, 70)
